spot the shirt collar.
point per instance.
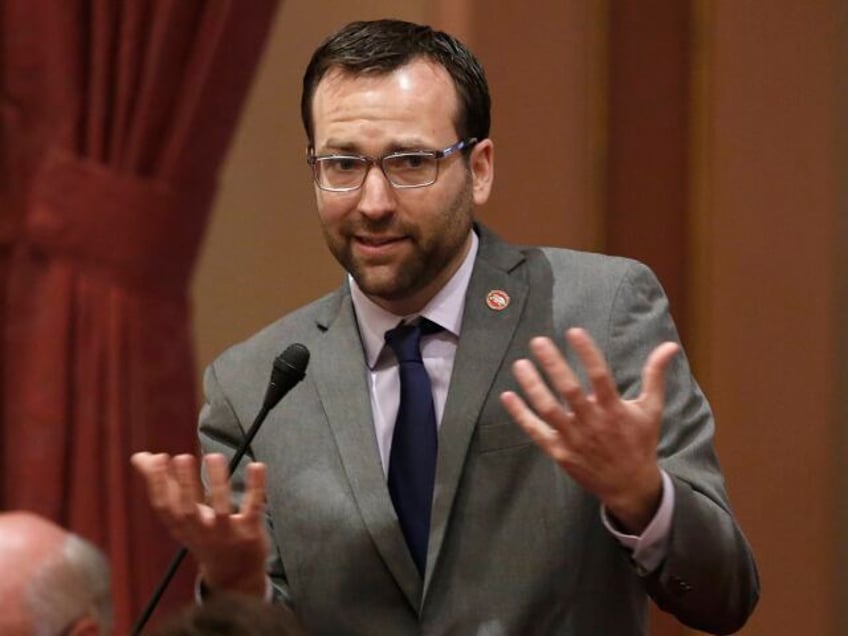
(445, 308)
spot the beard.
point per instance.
(436, 249)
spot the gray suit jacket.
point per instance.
(516, 547)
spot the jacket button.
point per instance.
(679, 587)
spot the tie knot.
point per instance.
(405, 339)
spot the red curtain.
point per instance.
(115, 118)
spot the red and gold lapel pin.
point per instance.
(497, 300)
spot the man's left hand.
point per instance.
(606, 444)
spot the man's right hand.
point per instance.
(230, 547)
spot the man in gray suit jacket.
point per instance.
(562, 493)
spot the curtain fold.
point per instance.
(115, 118)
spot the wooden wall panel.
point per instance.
(546, 64)
(766, 272)
(647, 167)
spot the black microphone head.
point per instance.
(293, 360)
(289, 369)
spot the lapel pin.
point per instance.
(497, 300)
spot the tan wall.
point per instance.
(769, 196)
(763, 240)
(546, 70)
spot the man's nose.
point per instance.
(377, 196)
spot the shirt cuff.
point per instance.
(650, 548)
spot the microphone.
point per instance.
(288, 369)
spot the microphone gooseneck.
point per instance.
(288, 369)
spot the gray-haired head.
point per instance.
(73, 585)
(54, 582)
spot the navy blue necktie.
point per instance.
(412, 462)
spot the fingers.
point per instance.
(189, 492)
(556, 369)
(566, 382)
(537, 429)
(543, 402)
(224, 543)
(218, 484)
(597, 371)
(155, 469)
(563, 379)
(220, 493)
(603, 396)
(174, 486)
(653, 375)
(603, 441)
(551, 440)
(254, 497)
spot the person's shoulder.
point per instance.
(586, 275)
(231, 613)
(562, 260)
(595, 263)
(298, 326)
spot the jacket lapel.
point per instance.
(484, 341)
(340, 376)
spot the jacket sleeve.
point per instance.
(708, 579)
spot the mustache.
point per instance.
(386, 225)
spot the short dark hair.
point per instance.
(381, 46)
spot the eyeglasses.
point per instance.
(407, 169)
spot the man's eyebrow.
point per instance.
(332, 145)
(408, 145)
(349, 147)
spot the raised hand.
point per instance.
(607, 444)
(229, 546)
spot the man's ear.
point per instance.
(482, 164)
(86, 626)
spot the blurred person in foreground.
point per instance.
(560, 468)
(53, 583)
(232, 614)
